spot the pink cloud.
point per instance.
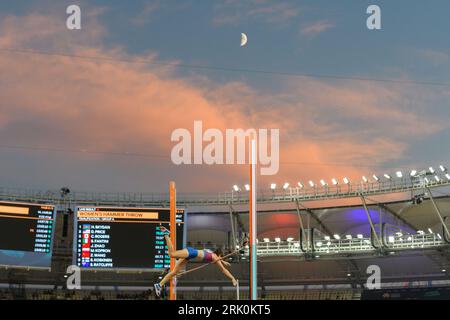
(108, 105)
(317, 27)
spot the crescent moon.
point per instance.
(243, 39)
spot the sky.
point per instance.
(93, 109)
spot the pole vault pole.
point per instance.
(252, 220)
(173, 235)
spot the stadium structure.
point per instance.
(315, 241)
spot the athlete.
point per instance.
(190, 254)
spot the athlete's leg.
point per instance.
(177, 254)
(178, 266)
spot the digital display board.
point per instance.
(26, 233)
(128, 238)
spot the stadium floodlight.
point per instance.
(266, 240)
(387, 176)
(286, 185)
(327, 238)
(420, 232)
(436, 177)
(409, 238)
(438, 235)
(296, 245)
(399, 234)
(443, 169)
(391, 239)
(236, 188)
(431, 170)
(443, 270)
(426, 180)
(346, 180)
(348, 237)
(290, 239)
(334, 182)
(247, 187)
(359, 236)
(300, 185)
(278, 240)
(337, 237)
(323, 183)
(430, 231)
(328, 243)
(413, 173)
(399, 174)
(447, 175)
(349, 274)
(365, 179)
(273, 186)
(375, 178)
(319, 243)
(311, 183)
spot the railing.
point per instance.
(225, 198)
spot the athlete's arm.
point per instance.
(226, 272)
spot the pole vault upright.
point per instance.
(173, 235)
(252, 220)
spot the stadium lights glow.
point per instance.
(399, 234)
(375, 178)
(349, 274)
(359, 236)
(236, 188)
(348, 237)
(337, 237)
(409, 238)
(443, 169)
(334, 181)
(391, 239)
(297, 245)
(311, 183)
(437, 178)
(300, 185)
(439, 236)
(278, 240)
(399, 174)
(289, 239)
(365, 179)
(346, 181)
(328, 243)
(420, 232)
(327, 238)
(443, 270)
(273, 186)
(323, 183)
(319, 243)
(285, 185)
(426, 180)
(447, 175)
(266, 240)
(247, 187)
(413, 173)
(431, 170)
(387, 176)
(430, 231)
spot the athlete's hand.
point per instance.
(226, 263)
(234, 282)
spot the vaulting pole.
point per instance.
(173, 235)
(252, 220)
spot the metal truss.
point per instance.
(355, 246)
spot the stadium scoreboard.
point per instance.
(26, 232)
(128, 238)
